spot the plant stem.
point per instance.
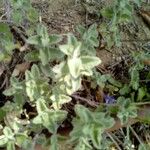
(135, 134)
(110, 136)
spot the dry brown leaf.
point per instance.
(146, 62)
(146, 16)
(21, 68)
(99, 95)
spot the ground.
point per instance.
(63, 16)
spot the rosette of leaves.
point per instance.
(46, 46)
(137, 66)
(89, 38)
(70, 71)
(16, 90)
(120, 12)
(36, 85)
(126, 109)
(76, 65)
(49, 118)
(11, 138)
(89, 127)
(22, 11)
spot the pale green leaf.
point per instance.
(34, 40)
(37, 120)
(67, 49)
(35, 71)
(76, 52)
(141, 94)
(9, 92)
(17, 16)
(41, 106)
(58, 101)
(11, 145)
(87, 72)
(54, 39)
(54, 53)
(32, 56)
(81, 29)
(3, 140)
(75, 66)
(44, 56)
(32, 15)
(61, 69)
(107, 12)
(88, 62)
(76, 84)
(8, 133)
(72, 40)
(20, 138)
(54, 143)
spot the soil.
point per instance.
(63, 16)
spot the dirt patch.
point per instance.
(62, 16)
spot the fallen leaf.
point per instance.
(21, 68)
(146, 62)
(146, 16)
(99, 95)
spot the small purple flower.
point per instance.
(109, 99)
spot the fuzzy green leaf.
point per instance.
(88, 62)
(3, 140)
(75, 66)
(34, 40)
(54, 39)
(32, 56)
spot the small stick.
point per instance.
(135, 134)
(89, 102)
(118, 147)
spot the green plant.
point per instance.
(6, 42)
(46, 45)
(119, 13)
(56, 73)
(47, 99)
(23, 13)
(89, 127)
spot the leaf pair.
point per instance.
(46, 45)
(126, 109)
(47, 117)
(89, 126)
(36, 85)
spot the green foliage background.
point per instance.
(46, 87)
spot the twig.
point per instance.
(118, 147)
(3, 15)
(117, 139)
(142, 103)
(135, 134)
(96, 104)
(89, 102)
(18, 31)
